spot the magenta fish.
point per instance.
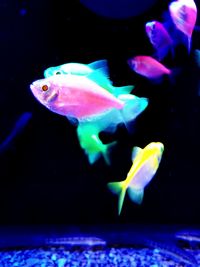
(184, 15)
(159, 38)
(148, 67)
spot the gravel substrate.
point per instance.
(90, 257)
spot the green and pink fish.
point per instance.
(85, 99)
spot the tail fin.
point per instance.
(133, 106)
(106, 151)
(119, 189)
(92, 145)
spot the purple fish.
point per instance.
(159, 38)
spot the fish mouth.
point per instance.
(132, 63)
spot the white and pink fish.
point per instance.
(74, 96)
(184, 15)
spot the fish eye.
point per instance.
(45, 87)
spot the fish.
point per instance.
(101, 70)
(18, 127)
(184, 14)
(84, 102)
(88, 131)
(145, 164)
(159, 38)
(148, 66)
(74, 96)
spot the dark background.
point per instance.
(45, 176)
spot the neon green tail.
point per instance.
(119, 189)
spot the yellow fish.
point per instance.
(145, 164)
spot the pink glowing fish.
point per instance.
(159, 38)
(184, 15)
(74, 96)
(148, 67)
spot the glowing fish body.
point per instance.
(145, 164)
(148, 67)
(96, 71)
(88, 131)
(184, 15)
(159, 38)
(74, 96)
(95, 109)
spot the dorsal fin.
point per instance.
(99, 65)
(101, 78)
(136, 150)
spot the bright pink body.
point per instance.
(74, 96)
(148, 67)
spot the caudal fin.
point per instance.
(107, 150)
(119, 189)
(133, 107)
(92, 145)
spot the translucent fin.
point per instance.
(122, 90)
(106, 152)
(162, 52)
(189, 44)
(73, 120)
(115, 187)
(136, 150)
(99, 74)
(90, 142)
(101, 78)
(93, 157)
(136, 195)
(118, 188)
(133, 107)
(100, 64)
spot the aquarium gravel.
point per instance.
(115, 256)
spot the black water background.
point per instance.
(45, 176)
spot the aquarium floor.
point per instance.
(103, 245)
